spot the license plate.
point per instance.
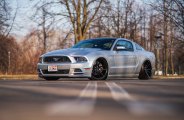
(52, 68)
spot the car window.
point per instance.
(128, 45)
(104, 44)
(87, 45)
(107, 45)
(138, 47)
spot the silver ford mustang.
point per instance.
(98, 59)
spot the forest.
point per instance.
(157, 25)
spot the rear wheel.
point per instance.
(100, 70)
(146, 71)
(51, 78)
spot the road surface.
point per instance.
(81, 99)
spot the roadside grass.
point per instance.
(169, 77)
(19, 77)
(35, 77)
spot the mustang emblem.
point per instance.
(56, 59)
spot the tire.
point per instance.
(146, 71)
(51, 78)
(100, 70)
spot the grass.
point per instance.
(20, 77)
(169, 77)
(35, 77)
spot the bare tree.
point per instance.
(123, 20)
(9, 50)
(176, 14)
(167, 10)
(81, 14)
(121, 15)
(4, 16)
(7, 18)
(29, 53)
(45, 23)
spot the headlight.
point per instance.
(40, 60)
(80, 59)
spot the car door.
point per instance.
(124, 58)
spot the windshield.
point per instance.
(104, 44)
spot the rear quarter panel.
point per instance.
(142, 56)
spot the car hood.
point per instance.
(73, 51)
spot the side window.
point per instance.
(138, 47)
(128, 45)
(107, 45)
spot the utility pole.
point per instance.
(158, 47)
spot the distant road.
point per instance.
(81, 99)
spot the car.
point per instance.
(98, 59)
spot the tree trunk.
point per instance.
(171, 51)
(44, 31)
(165, 38)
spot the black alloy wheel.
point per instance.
(146, 71)
(100, 70)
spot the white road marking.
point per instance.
(81, 106)
(118, 93)
(136, 107)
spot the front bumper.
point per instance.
(65, 70)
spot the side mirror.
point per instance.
(119, 48)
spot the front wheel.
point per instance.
(100, 70)
(146, 71)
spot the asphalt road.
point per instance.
(81, 99)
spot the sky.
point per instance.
(23, 24)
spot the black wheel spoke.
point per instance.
(101, 74)
(99, 70)
(146, 71)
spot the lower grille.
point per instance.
(77, 70)
(56, 72)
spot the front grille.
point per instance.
(56, 59)
(56, 72)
